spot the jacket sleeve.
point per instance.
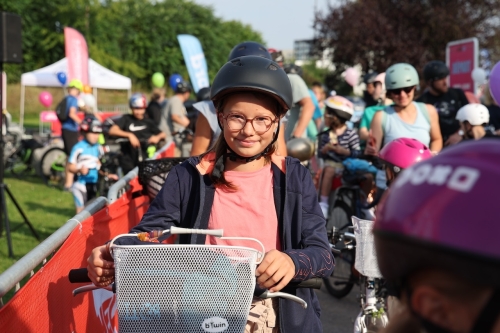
(315, 258)
(164, 211)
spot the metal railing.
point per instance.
(119, 188)
(26, 265)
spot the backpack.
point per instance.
(61, 113)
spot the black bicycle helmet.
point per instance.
(248, 49)
(182, 87)
(370, 77)
(203, 94)
(293, 69)
(435, 70)
(90, 124)
(252, 73)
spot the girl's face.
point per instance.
(248, 123)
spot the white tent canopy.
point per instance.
(99, 77)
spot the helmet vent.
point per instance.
(237, 62)
(272, 67)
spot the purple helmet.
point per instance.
(443, 213)
(403, 153)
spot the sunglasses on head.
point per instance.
(407, 90)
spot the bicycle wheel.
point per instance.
(17, 165)
(340, 283)
(53, 166)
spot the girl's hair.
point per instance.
(157, 94)
(221, 147)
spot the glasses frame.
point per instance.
(398, 91)
(251, 121)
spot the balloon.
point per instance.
(495, 83)
(45, 98)
(87, 89)
(61, 76)
(174, 79)
(352, 76)
(479, 75)
(158, 80)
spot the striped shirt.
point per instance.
(349, 139)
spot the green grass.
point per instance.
(46, 208)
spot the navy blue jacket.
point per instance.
(186, 200)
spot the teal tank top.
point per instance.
(395, 128)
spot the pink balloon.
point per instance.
(495, 82)
(351, 76)
(45, 98)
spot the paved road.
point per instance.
(337, 315)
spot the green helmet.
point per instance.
(401, 76)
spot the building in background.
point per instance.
(303, 54)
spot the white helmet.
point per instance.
(341, 106)
(475, 114)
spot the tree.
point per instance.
(379, 33)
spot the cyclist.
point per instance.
(140, 132)
(207, 126)
(446, 100)
(335, 145)
(432, 245)
(403, 119)
(302, 111)
(366, 119)
(245, 189)
(473, 118)
(176, 114)
(84, 162)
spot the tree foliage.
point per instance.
(379, 33)
(133, 37)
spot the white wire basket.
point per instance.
(366, 257)
(184, 288)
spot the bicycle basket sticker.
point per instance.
(215, 324)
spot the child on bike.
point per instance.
(141, 132)
(84, 162)
(335, 145)
(245, 189)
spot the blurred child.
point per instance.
(335, 145)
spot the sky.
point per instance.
(279, 21)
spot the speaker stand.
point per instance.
(4, 189)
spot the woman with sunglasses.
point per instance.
(241, 186)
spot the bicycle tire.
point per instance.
(53, 167)
(17, 166)
(342, 280)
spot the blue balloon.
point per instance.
(174, 79)
(61, 76)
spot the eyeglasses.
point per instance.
(260, 124)
(407, 90)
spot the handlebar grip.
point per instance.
(214, 232)
(314, 283)
(79, 275)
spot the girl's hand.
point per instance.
(275, 271)
(101, 267)
(341, 150)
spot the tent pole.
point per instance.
(94, 92)
(21, 116)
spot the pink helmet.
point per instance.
(339, 105)
(443, 213)
(403, 153)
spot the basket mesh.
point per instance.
(184, 288)
(152, 173)
(366, 258)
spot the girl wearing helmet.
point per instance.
(432, 243)
(473, 118)
(139, 130)
(336, 144)
(242, 187)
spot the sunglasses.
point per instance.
(407, 90)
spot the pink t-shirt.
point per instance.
(248, 212)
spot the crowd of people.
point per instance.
(435, 247)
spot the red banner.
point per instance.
(45, 303)
(77, 55)
(462, 58)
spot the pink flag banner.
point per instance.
(77, 55)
